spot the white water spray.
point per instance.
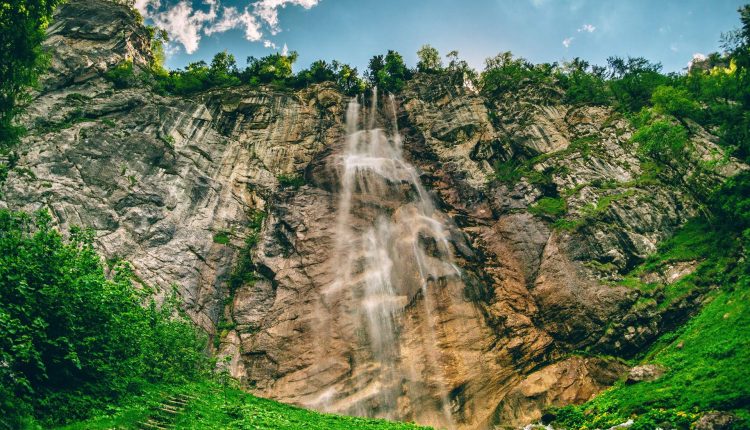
(392, 247)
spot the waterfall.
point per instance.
(392, 247)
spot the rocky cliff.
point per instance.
(195, 193)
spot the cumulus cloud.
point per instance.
(268, 10)
(145, 6)
(567, 41)
(232, 18)
(697, 58)
(587, 28)
(186, 24)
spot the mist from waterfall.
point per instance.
(392, 247)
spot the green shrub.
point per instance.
(72, 340)
(291, 181)
(662, 140)
(674, 101)
(122, 75)
(221, 237)
(509, 172)
(550, 207)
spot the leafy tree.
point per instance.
(459, 71)
(22, 26)
(273, 68)
(374, 67)
(344, 76)
(662, 140)
(388, 73)
(349, 81)
(319, 71)
(223, 71)
(583, 83)
(505, 74)
(429, 60)
(674, 101)
(70, 338)
(633, 81)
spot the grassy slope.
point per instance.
(216, 407)
(708, 359)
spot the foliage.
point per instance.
(71, 339)
(388, 73)
(549, 207)
(222, 237)
(504, 74)
(707, 366)
(122, 75)
(344, 76)
(633, 80)
(662, 140)
(22, 26)
(291, 181)
(217, 406)
(271, 69)
(674, 101)
(244, 271)
(429, 60)
(583, 83)
(509, 171)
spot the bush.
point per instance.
(662, 140)
(72, 340)
(550, 207)
(674, 101)
(291, 181)
(122, 75)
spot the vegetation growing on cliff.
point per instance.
(72, 339)
(706, 359)
(22, 25)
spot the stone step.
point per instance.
(150, 425)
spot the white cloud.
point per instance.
(587, 28)
(696, 57)
(567, 41)
(268, 10)
(144, 6)
(284, 50)
(186, 25)
(673, 47)
(231, 18)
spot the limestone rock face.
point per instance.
(570, 381)
(188, 190)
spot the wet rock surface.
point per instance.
(159, 178)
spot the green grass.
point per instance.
(219, 407)
(550, 207)
(698, 241)
(707, 359)
(708, 362)
(222, 237)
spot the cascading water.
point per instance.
(392, 247)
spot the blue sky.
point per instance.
(352, 31)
